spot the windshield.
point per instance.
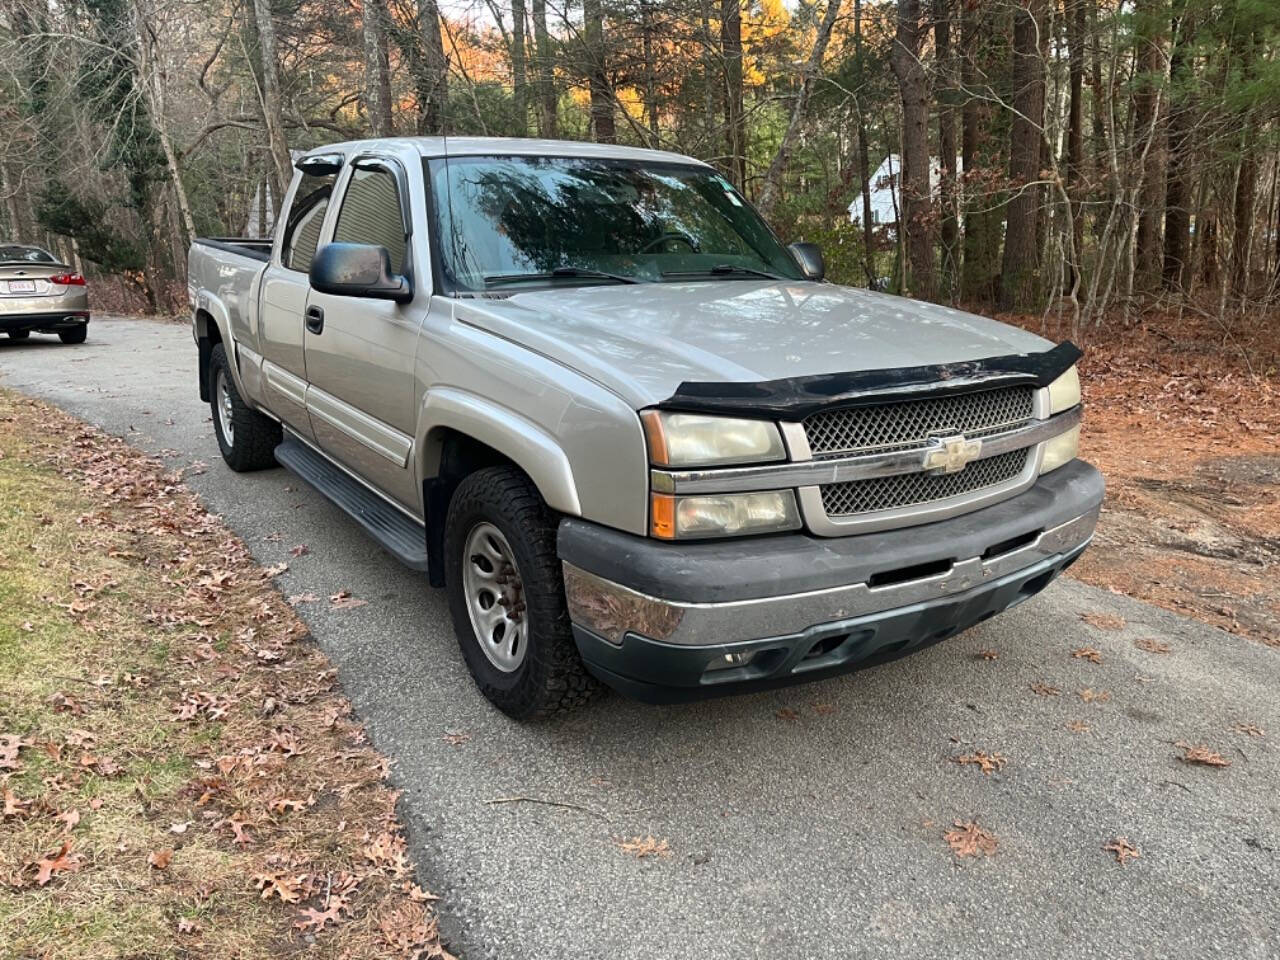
(512, 221)
(13, 253)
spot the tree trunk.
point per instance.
(1018, 277)
(812, 69)
(1177, 210)
(1149, 63)
(950, 236)
(595, 61)
(864, 160)
(980, 157)
(731, 51)
(433, 84)
(916, 220)
(650, 69)
(519, 69)
(272, 107)
(546, 77)
(377, 68)
(1077, 26)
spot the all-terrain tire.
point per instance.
(19, 334)
(74, 334)
(551, 678)
(254, 437)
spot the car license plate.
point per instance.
(22, 286)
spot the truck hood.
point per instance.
(643, 341)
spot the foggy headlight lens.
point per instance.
(1061, 449)
(726, 515)
(1064, 393)
(693, 440)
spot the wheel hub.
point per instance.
(495, 597)
(226, 418)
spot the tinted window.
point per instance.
(500, 218)
(371, 214)
(14, 253)
(306, 217)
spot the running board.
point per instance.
(402, 537)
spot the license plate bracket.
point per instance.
(22, 286)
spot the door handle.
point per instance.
(315, 319)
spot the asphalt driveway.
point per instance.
(805, 823)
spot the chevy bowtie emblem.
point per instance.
(950, 454)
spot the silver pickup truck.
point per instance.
(635, 437)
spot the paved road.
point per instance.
(805, 823)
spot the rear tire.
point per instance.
(74, 334)
(497, 520)
(19, 334)
(247, 438)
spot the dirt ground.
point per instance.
(1182, 415)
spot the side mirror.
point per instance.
(809, 256)
(358, 270)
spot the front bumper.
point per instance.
(667, 622)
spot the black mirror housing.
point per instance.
(809, 256)
(358, 270)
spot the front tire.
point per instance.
(506, 597)
(74, 334)
(247, 438)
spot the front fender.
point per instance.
(534, 450)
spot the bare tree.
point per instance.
(377, 67)
(433, 94)
(272, 108)
(1018, 280)
(598, 73)
(916, 220)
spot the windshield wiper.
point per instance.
(723, 270)
(498, 279)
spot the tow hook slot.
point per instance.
(918, 571)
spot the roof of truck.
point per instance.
(501, 146)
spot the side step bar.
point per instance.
(402, 537)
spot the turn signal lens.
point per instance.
(68, 280)
(1061, 449)
(725, 515)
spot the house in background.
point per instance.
(886, 198)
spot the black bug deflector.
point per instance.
(794, 398)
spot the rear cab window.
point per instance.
(306, 217)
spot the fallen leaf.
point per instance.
(988, 655)
(298, 598)
(313, 919)
(343, 600)
(1078, 726)
(287, 888)
(987, 762)
(1248, 729)
(967, 839)
(456, 739)
(789, 715)
(1089, 695)
(300, 550)
(1201, 755)
(1103, 621)
(10, 744)
(12, 805)
(69, 818)
(1092, 654)
(159, 859)
(179, 828)
(1045, 690)
(63, 861)
(824, 709)
(1124, 850)
(1152, 645)
(642, 847)
(274, 570)
(187, 926)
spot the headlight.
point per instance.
(694, 440)
(1061, 449)
(1064, 393)
(726, 515)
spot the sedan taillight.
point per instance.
(68, 280)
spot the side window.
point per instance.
(371, 214)
(306, 217)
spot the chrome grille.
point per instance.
(911, 423)
(912, 489)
